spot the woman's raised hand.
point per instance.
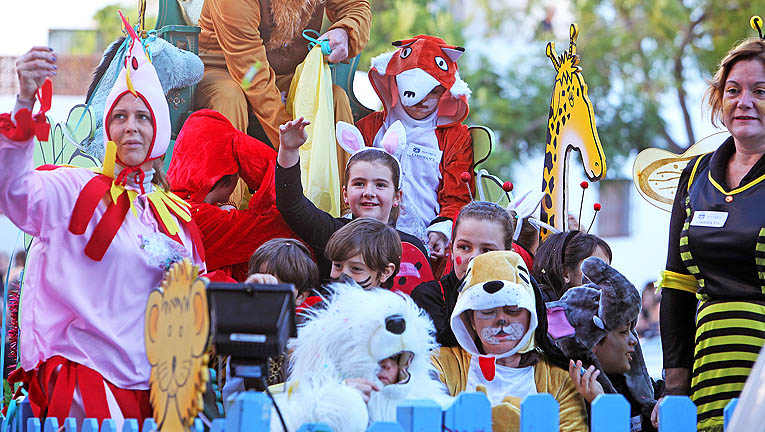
(33, 68)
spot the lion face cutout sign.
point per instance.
(176, 332)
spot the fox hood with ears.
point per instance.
(409, 73)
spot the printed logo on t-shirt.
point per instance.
(426, 154)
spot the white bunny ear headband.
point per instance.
(350, 140)
(524, 205)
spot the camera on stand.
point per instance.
(251, 323)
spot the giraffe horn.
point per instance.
(573, 34)
(550, 51)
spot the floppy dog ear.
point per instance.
(349, 137)
(394, 138)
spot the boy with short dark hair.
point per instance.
(366, 250)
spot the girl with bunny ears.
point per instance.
(371, 188)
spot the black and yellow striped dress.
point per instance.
(720, 255)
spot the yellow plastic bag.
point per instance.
(310, 96)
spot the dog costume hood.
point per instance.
(585, 314)
(347, 339)
(408, 74)
(494, 279)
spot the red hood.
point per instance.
(209, 147)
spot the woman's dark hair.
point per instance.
(483, 210)
(383, 158)
(749, 49)
(562, 252)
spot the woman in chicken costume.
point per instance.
(102, 242)
(496, 322)
(420, 85)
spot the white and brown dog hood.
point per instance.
(494, 279)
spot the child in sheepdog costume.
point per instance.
(495, 321)
(350, 338)
(439, 149)
(606, 305)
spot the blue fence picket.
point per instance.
(50, 425)
(315, 427)
(130, 425)
(251, 411)
(677, 414)
(610, 413)
(218, 425)
(728, 412)
(540, 413)
(469, 412)
(385, 427)
(90, 425)
(420, 416)
(149, 425)
(33, 425)
(108, 425)
(70, 424)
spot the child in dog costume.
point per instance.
(439, 148)
(208, 149)
(102, 241)
(375, 337)
(581, 320)
(494, 321)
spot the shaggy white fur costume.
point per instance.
(348, 339)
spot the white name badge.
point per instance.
(426, 154)
(711, 219)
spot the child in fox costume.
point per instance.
(419, 85)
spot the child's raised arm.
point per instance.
(292, 135)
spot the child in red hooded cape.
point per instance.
(419, 84)
(209, 154)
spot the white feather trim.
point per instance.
(380, 62)
(460, 87)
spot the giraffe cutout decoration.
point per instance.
(571, 126)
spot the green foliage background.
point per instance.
(636, 55)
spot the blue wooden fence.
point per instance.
(470, 412)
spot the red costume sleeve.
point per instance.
(457, 147)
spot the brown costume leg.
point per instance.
(219, 92)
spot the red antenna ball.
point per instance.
(596, 207)
(584, 185)
(465, 177)
(507, 186)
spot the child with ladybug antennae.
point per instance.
(420, 87)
